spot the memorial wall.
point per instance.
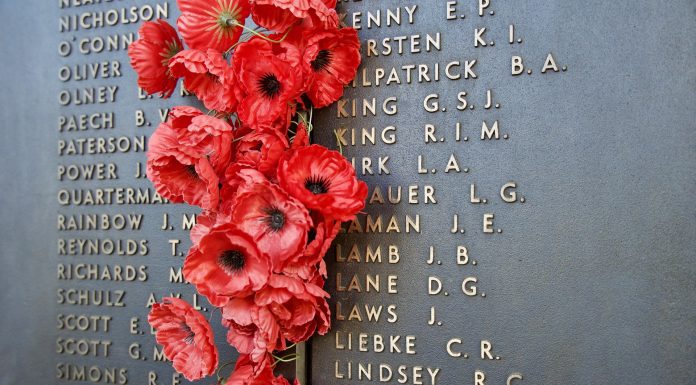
(530, 219)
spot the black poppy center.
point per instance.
(322, 60)
(213, 77)
(231, 260)
(190, 335)
(317, 185)
(269, 85)
(275, 219)
(191, 170)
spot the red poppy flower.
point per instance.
(226, 263)
(212, 24)
(322, 236)
(280, 380)
(180, 172)
(236, 177)
(320, 279)
(324, 181)
(309, 265)
(205, 221)
(300, 308)
(209, 137)
(185, 155)
(150, 56)
(285, 309)
(331, 58)
(279, 15)
(301, 138)
(195, 184)
(310, 314)
(262, 150)
(325, 13)
(249, 372)
(277, 222)
(252, 329)
(208, 76)
(279, 290)
(186, 336)
(267, 86)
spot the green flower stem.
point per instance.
(220, 378)
(307, 121)
(235, 23)
(212, 313)
(232, 48)
(288, 358)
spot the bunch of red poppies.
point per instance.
(272, 203)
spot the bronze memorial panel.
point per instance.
(530, 218)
